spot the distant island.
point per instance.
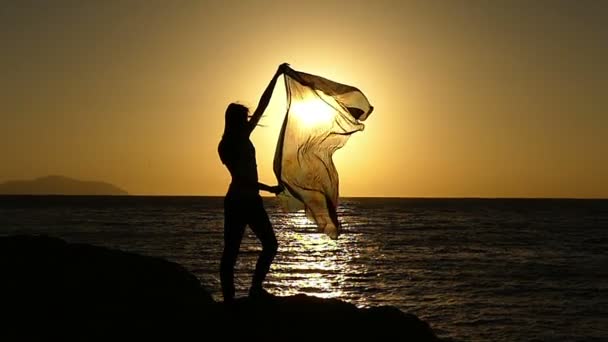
(59, 185)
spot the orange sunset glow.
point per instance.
(472, 99)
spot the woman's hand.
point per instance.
(282, 68)
(265, 99)
(273, 189)
(277, 189)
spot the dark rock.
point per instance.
(49, 278)
(46, 280)
(313, 317)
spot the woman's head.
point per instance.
(236, 118)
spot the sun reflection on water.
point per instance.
(310, 262)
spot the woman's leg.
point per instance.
(260, 224)
(234, 227)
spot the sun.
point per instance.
(313, 111)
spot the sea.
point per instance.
(474, 269)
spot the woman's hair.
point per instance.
(236, 118)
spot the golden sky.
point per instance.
(472, 98)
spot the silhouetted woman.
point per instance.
(243, 204)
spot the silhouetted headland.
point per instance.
(46, 280)
(59, 185)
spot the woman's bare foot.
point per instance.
(259, 292)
